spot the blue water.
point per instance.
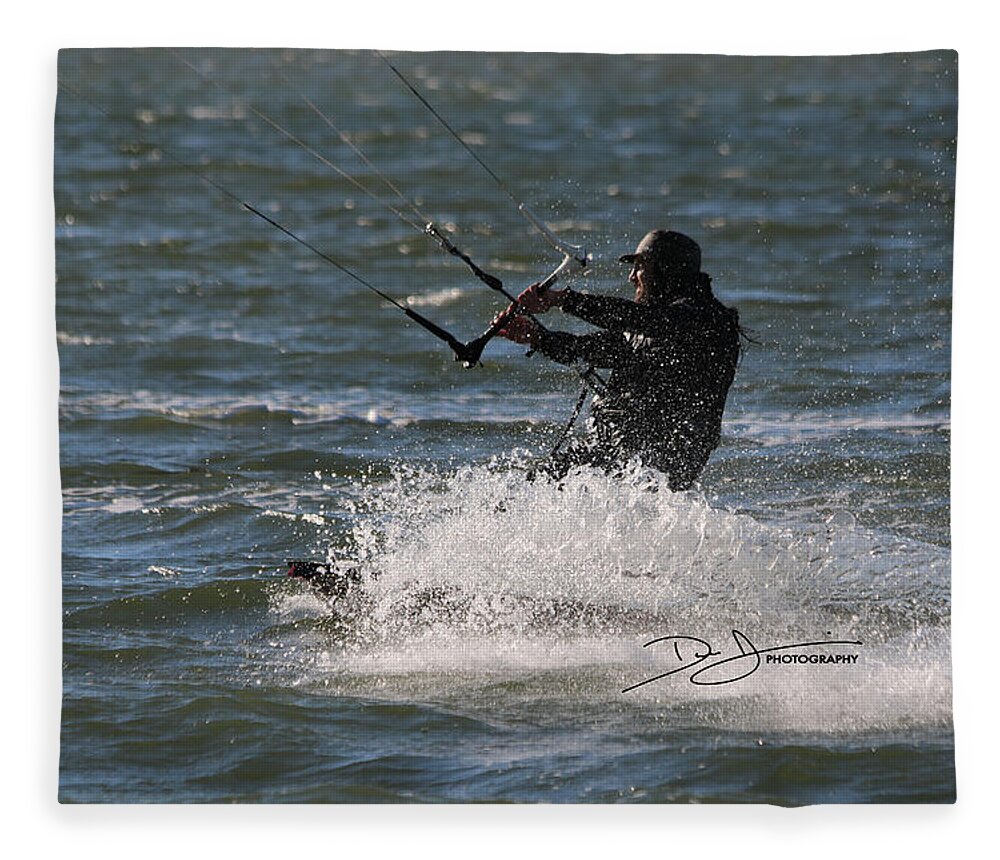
(229, 401)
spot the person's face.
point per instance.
(641, 277)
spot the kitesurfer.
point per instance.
(672, 351)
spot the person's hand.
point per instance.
(522, 329)
(535, 300)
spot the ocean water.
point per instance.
(230, 401)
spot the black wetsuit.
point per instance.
(672, 364)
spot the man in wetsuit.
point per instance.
(672, 352)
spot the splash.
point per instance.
(480, 580)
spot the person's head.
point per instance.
(665, 265)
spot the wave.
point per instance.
(168, 606)
(797, 426)
(144, 410)
(147, 411)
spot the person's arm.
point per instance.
(601, 349)
(618, 315)
(607, 312)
